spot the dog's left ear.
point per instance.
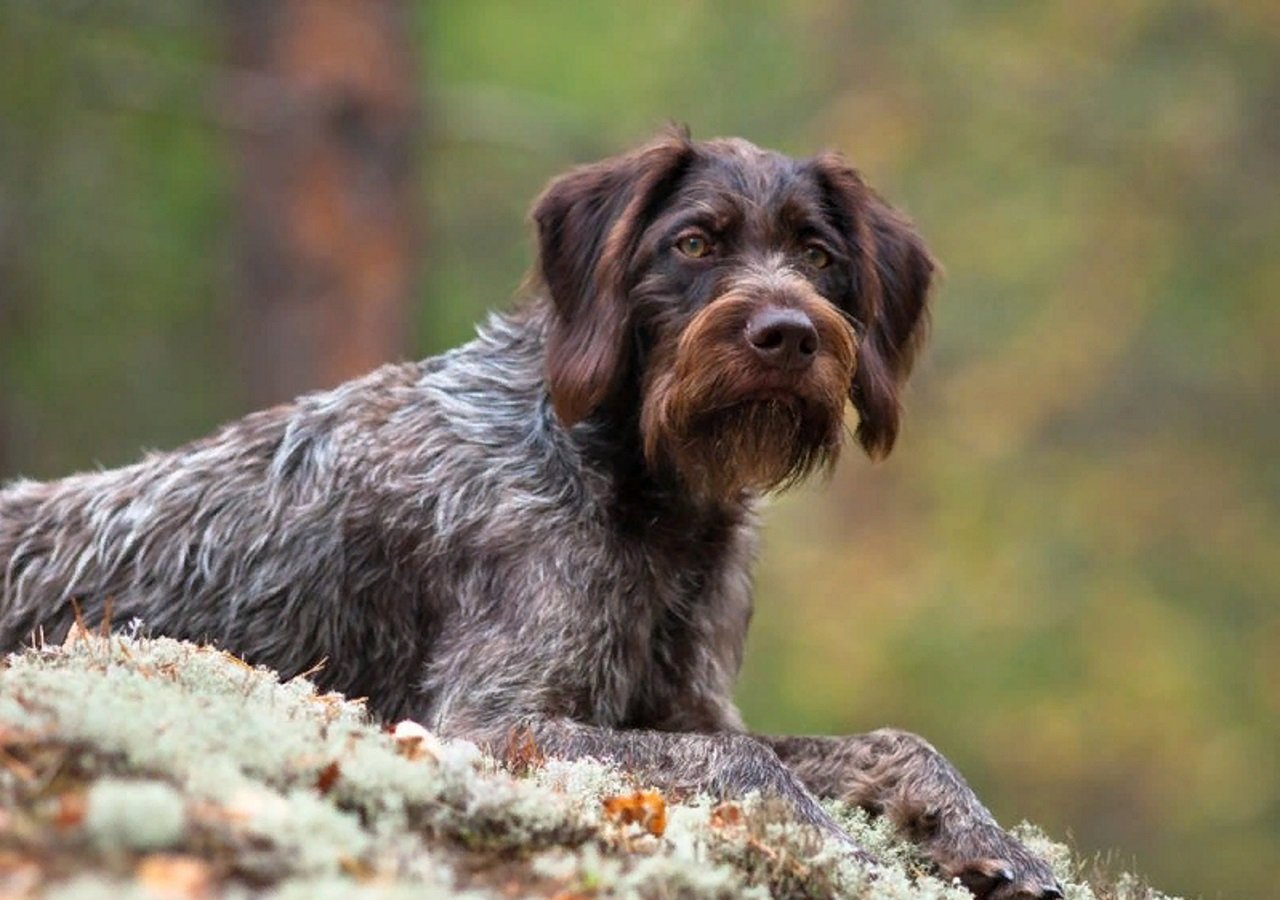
(589, 222)
(891, 278)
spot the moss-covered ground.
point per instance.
(134, 767)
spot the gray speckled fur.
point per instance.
(429, 532)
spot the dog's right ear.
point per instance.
(892, 274)
(589, 221)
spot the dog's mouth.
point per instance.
(770, 404)
(768, 441)
(764, 386)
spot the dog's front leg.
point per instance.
(899, 775)
(726, 765)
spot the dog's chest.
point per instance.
(673, 623)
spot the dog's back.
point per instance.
(179, 540)
(281, 537)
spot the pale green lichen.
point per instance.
(98, 887)
(130, 814)
(287, 793)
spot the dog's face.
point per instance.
(737, 297)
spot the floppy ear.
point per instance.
(891, 277)
(589, 222)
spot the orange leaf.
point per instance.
(645, 808)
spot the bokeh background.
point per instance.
(1067, 574)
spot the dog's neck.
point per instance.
(646, 500)
(643, 498)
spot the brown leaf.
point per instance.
(328, 777)
(644, 808)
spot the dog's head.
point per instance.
(734, 298)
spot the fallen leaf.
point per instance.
(328, 777)
(645, 808)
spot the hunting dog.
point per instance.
(550, 529)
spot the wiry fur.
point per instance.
(551, 527)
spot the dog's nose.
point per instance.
(783, 338)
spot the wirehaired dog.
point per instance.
(551, 527)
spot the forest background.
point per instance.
(1066, 576)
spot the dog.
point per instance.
(550, 529)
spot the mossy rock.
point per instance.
(135, 767)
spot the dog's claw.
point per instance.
(991, 880)
(983, 878)
(1011, 872)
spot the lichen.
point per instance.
(130, 814)
(122, 753)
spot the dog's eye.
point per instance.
(817, 257)
(694, 246)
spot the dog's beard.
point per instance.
(758, 444)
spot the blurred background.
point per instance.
(1068, 574)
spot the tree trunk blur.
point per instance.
(324, 106)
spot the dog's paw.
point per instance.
(992, 865)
